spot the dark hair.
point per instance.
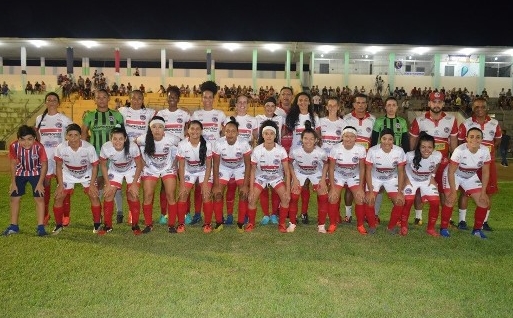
(266, 123)
(233, 122)
(386, 131)
(390, 98)
(149, 141)
(209, 86)
(287, 87)
(174, 89)
(73, 127)
(26, 130)
(270, 100)
(203, 143)
(293, 116)
(423, 136)
(308, 129)
(475, 128)
(46, 109)
(120, 129)
(362, 95)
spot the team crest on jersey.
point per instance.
(58, 124)
(83, 162)
(238, 154)
(276, 161)
(446, 130)
(166, 150)
(491, 133)
(398, 125)
(354, 159)
(480, 164)
(368, 129)
(111, 176)
(338, 132)
(215, 119)
(248, 126)
(179, 120)
(408, 191)
(111, 118)
(431, 168)
(35, 156)
(187, 178)
(315, 163)
(142, 117)
(395, 164)
(220, 174)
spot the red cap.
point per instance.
(436, 95)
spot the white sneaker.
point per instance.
(321, 229)
(291, 227)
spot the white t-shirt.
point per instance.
(232, 156)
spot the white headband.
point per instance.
(269, 128)
(157, 121)
(349, 130)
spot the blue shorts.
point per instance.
(21, 182)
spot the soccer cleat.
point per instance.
(265, 220)
(249, 227)
(462, 225)
(188, 219)
(361, 229)
(46, 219)
(321, 229)
(486, 227)
(58, 228)
(229, 219)
(240, 227)
(147, 229)
(432, 233)
(65, 221)
(479, 233)
(41, 231)
(274, 219)
(332, 228)
(403, 231)
(378, 221)
(11, 229)
(348, 219)
(180, 228)
(196, 218)
(371, 230)
(417, 221)
(104, 230)
(282, 228)
(119, 218)
(304, 218)
(136, 230)
(163, 219)
(392, 231)
(96, 228)
(219, 227)
(291, 227)
(171, 230)
(207, 228)
(445, 233)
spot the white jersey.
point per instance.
(441, 130)
(469, 163)
(363, 127)
(118, 161)
(232, 156)
(269, 162)
(347, 161)
(279, 120)
(308, 163)
(426, 168)
(280, 112)
(331, 132)
(384, 165)
(247, 125)
(212, 121)
(175, 121)
(300, 126)
(77, 164)
(136, 121)
(164, 156)
(52, 131)
(190, 154)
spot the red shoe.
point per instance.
(432, 233)
(404, 231)
(136, 230)
(332, 228)
(207, 228)
(180, 228)
(65, 220)
(282, 228)
(361, 229)
(249, 227)
(46, 219)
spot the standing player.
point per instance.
(231, 161)
(270, 167)
(76, 162)
(466, 159)
(51, 128)
(120, 158)
(443, 127)
(492, 135)
(28, 165)
(421, 166)
(363, 121)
